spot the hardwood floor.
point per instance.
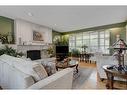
(93, 82)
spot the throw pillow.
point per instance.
(41, 72)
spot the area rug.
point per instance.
(81, 77)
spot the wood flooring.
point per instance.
(93, 82)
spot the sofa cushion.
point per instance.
(24, 66)
(39, 69)
(50, 68)
(49, 65)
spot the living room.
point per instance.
(42, 49)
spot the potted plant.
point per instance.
(61, 40)
(50, 51)
(10, 51)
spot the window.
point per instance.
(86, 38)
(104, 41)
(95, 40)
(71, 42)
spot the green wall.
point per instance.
(7, 30)
(54, 34)
(122, 24)
(115, 29)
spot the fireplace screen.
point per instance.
(34, 54)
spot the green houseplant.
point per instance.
(61, 40)
(50, 51)
(10, 51)
(75, 53)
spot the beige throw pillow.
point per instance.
(40, 71)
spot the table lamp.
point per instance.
(119, 46)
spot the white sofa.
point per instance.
(15, 74)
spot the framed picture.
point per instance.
(38, 36)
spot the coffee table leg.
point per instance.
(77, 68)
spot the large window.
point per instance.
(72, 42)
(95, 40)
(79, 41)
(104, 41)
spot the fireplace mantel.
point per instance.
(33, 46)
(25, 48)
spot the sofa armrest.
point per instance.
(60, 80)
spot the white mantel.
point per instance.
(31, 47)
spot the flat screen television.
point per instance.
(62, 49)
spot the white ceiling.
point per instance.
(67, 18)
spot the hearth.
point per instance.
(34, 54)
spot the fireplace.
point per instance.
(34, 54)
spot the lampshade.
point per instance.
(119, 44)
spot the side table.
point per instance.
(111, 73)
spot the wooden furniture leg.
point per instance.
(77, 68)
(110, 78)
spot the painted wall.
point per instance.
(24, 30)
(55, 35)
(115, 29)
(7, 29)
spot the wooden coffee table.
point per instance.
(69, 64)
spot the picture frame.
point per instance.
(38, 36)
